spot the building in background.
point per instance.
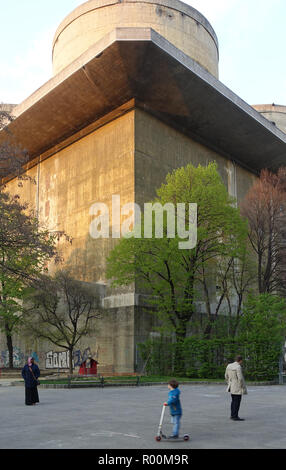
(135, 94)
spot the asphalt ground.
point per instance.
(128, 418)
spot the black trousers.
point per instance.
(31, 395)
(235, 405)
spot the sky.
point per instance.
(251, 35)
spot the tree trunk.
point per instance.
(179, 366)
(9, 345)
(260, 284)
(71, 361)
(208, 329)
(238, 317)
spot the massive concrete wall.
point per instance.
(159, 149)
(68, 183)
(129, 156)
(112, 345)
(63, 189)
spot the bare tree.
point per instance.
(64, 311)
(265, 208)
(238, 286)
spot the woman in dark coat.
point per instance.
(30, 374)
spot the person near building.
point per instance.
(175, 407)
(236, 386)
(30, 374)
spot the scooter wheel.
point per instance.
(186, 437)
(158, 438)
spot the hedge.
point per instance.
(208, 359)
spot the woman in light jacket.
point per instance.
(236, 386)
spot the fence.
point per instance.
(198, 358)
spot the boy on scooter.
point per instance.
(175, 407)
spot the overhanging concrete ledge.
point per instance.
(138, 63)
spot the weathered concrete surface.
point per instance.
(129, 156)
(93, 133)
(159, 149)
(7, 107)
(65, 187)
(165, 81)
(274, 113)
(179, 23)
(128, 418)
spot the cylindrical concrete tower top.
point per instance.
(179, 23)
(275, 113)
(8, 108)
(6, 111)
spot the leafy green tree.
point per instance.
(13, 293)
(262, 329)
(25, 250)
(173, 276)
(264, 316)
(25, 247)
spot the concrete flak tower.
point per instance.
(275, 113)
(135, 94)
(177, 22)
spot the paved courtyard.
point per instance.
(128, 418)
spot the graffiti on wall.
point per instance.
(18, 358)
(79, 357)
(50, 360)
(61, 360)
(57, 360)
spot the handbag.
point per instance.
(36, 380)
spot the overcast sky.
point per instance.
(251, 36)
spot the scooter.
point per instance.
(161, 436)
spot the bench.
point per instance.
(75, 381)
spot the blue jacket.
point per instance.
(174, 402)
(28, 377)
